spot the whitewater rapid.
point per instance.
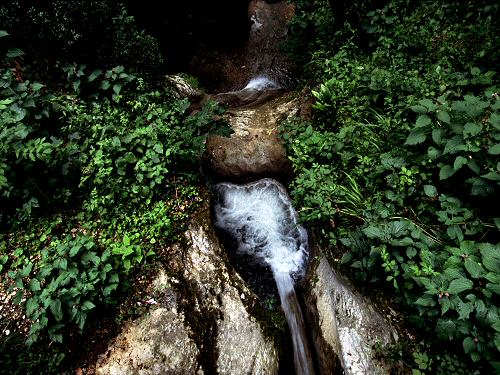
(262, 220)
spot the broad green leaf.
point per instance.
(446, 172)
(92, 257)
(87, 305)
(472, 164)
(126, 264)
(494, 150)
(404, 242)
(446, 328)
(496, 220)
(433, 153)
(126, 240)
(105, 85)
(422, 121)
(397, 227)
(428, 284)
(445, 304)
(460, 161)
(373, 232)
(426, 300)
(495, 288)
(430, 190)
(130, 157)
(464, 310)
(471, 129)
(109, 289)
(493, 277)
(56, 309)
(481, 309)
(3, 33)
(454, 145)
(495, 119)
(36, 86)
(80, 319)
(496, 326)
(437, 135)
(34, 285)
(443, 116)
(31, 306)
(89, 244)
(459, 285)
(415, 137)
(493, 176)
(117, 88)
(74, 250)
(455, 232)
(428, 104)
(474, 268)
(411, 252)
(419, 109)
(469, 345)
(63, 264)
(96, 73)
(26, 270)
(14, 52)
(452, 272)
(18, 297)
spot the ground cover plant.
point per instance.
(98, 174)
(399, 165)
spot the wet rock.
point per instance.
(182, 89)
(229, 69)
(246, 158)
(239, 345)
(201, 323)
(346, 326)
(254, 151)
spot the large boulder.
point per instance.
(346, 327)
(254, 151)
(201, 322)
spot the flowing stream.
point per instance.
(260, 217)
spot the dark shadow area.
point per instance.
(182, 28)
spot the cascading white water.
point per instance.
(261, 83)
(260, 217)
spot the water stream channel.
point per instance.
(259, 216)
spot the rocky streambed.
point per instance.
(208, 319)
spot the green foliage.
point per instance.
(98, 34)
(71, 276)
(97, 174)
(399, 167)
(17, 360)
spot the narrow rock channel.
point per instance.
(210, 319)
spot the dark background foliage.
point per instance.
(98, 33)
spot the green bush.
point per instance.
(399, 171)
(97, 174)
(71, 276)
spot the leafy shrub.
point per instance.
(72, 275)
(103, 154)
(97, 34)
(399, 168)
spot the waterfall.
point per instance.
(260, 217)
(261, 83)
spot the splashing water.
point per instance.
(261, 83)
(260, 217)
